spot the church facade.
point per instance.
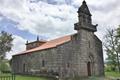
(79, 54)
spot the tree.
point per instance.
(5, 43)
(112, 48)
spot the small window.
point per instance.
(24, 65)
(89, 43)
(68, 65)
(88, 19)
(43, 63)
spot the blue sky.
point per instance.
(26, 19)
(10, 27)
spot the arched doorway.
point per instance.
(90, 65)
(89, 68)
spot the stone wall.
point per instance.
(68, 60)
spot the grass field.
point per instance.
(112, 74)
(18, 77)
(21, 77)
(107, 74)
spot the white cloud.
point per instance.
(41, 18)
(55, 17)
(55, 20)
(18, 46)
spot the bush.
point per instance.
(108, 68)
(5, 67)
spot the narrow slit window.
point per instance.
(89, 44)
(43, 63)
(68, 65)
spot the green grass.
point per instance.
(5, 74)
(107, 74)
(112, 74)
(18, 77)
(21, 77)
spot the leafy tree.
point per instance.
(111, 44)
(5, 43)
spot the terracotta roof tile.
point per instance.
(48, 44)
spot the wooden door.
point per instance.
(89, 68)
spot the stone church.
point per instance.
(79, 54)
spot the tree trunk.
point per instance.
(118, 63)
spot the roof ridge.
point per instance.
(49, 44)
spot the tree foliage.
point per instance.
(5, 43)
(112, 48)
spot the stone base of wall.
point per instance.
(40, 75)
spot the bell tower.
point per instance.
(84, 17)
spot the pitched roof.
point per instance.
(84, 9)
(48, 44)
